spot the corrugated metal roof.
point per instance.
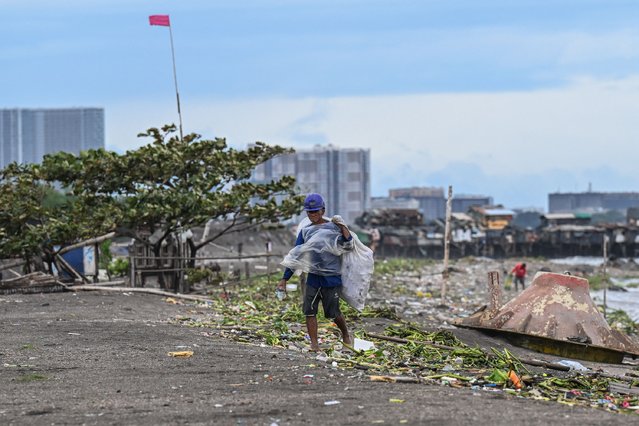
(498, 212)
(552, 216)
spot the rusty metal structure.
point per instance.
(554, 315)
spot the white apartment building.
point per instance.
(341, 176)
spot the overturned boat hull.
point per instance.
(555, 315)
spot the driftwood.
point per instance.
(92, 287)
(35, 282)
(34, 278)
(12, 264)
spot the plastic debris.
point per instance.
(332, 402)
(181, 354)
(405, 353)
(363, 345)
(574, 365)
(516, 381)
(280, 294)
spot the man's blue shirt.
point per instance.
(315, 280)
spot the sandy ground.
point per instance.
(102, 358)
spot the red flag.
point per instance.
(162, 20)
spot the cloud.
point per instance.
(514, 146)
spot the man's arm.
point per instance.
(337, 220)
(288, 272)
(346, 238)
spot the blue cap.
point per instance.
(313, 203)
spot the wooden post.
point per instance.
(449, 202)
(269, 247)
(494, 293)
(96, 251)
(132, 268)
(605, 278)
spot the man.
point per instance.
(519, 271)
(323, 280)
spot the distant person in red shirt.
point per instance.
(519, 272)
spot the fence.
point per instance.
(172, 269)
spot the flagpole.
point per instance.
(165, 21)
(177, 93)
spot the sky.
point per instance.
(511, 99)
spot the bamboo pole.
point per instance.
(92, 241)
(605, 278)
(449, 202)
(138, 290)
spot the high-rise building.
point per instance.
(341, 176)
(26, 135)
(591, 202)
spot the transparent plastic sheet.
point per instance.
(357, 270)
(320, 248)
(320, 252)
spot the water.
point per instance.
(586, 260)
(627, 301)
(579, 260)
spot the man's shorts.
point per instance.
(330, 301)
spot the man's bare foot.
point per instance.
(314, 347)
(347, 340)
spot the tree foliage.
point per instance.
(35, 217)
(167, 185)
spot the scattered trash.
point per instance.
(574, 365)
(448, 380)
(397, 401)
(333, 402)
(280, 294)
(402, 351)
(514, 378)
(363, 345)
(394, 379)
(181, 354)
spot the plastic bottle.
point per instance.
(517, 383)
(280, 294)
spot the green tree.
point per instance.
(172, 184)
(35, 218)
